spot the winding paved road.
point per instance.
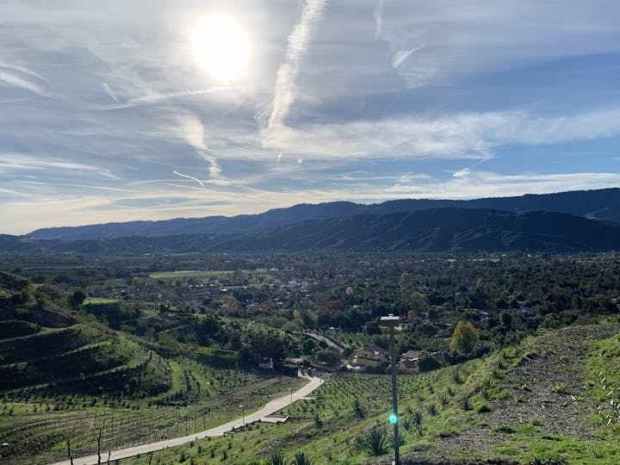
(330, 342)
(269, 409)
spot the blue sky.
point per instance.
(159, 109)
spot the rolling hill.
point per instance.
(601, 204)
(66, 375)
(46, 350)
(434, 230)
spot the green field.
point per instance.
(186, 274)
(99, 301)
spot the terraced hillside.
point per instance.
(46, 351)
(64, 376)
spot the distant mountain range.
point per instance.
(563, 222)
(601, 204)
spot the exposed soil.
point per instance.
(547, 391)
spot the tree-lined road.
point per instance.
(326, 340)
(269, 409)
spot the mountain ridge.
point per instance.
(601, 204)
(430, 230)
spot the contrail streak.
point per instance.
(18, 81)
(23, 70)
(378, 15)
(189, 177)
(109, 91)
(402, 55)
(285, 91)
(156, 98)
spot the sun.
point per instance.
(221, 46)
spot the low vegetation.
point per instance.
(512, 363)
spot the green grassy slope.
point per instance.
(544, 399)
(64, 375)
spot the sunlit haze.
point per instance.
(221, 46)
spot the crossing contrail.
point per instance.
(285, 92)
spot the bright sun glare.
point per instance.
(221, 46)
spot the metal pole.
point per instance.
(395, 397)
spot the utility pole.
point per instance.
(392, 322)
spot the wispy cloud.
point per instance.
(193, 132)
(467, 184)
(156, 98)
(23, 70)
(378, 16)
(460, 136)
(23, 215)
(461, 173)
(378, 98)
(285, 91)
(10, 162)
(12, 79)
(13, 193)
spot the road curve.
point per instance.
(330, 342)
(269, 409)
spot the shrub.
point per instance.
(277, 459)
(457, 378)
(358, 410)
(466, 404)
(549, 461)
(428, 363)
(301, 459)
(416, 421)
(483, 408)
(375, 442)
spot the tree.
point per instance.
(328, 357)
(76, 299)
(464, 338)
(264, 344)
(415, 301)
(506, 320)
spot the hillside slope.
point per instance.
(536, 403)
(65, 375)
(46, 350)
(445, 229)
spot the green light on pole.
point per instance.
(393, 419)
